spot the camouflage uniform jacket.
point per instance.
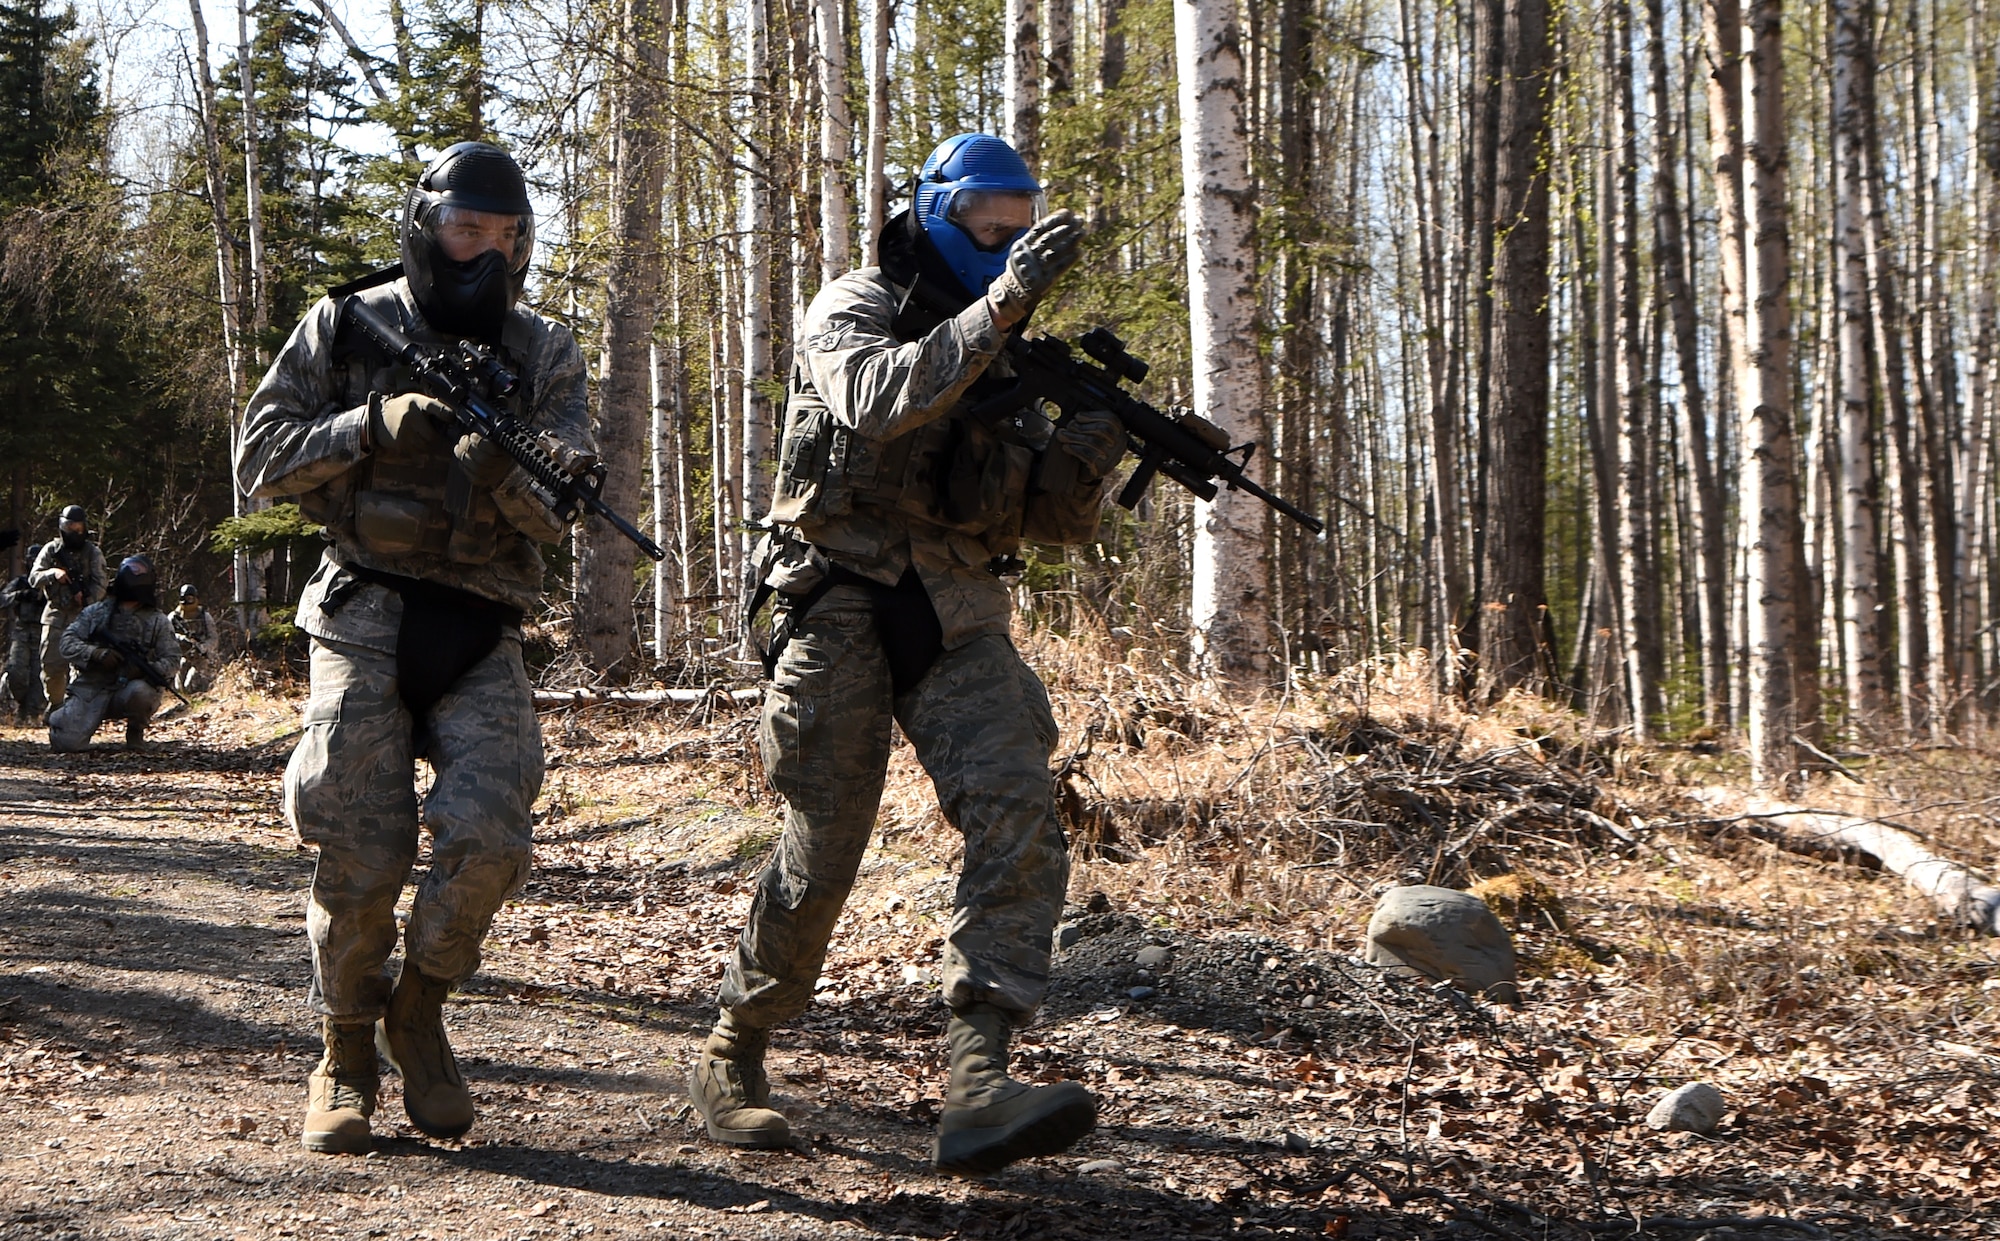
(305, 434)
(142, 628)
(84, 566)
(197, 632)
(876, 445)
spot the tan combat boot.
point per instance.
(729, 1088)
(340, 1094)
(411, 1038)
(989, 1119)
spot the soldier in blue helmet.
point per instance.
(896, 517)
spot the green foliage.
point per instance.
(282, 527)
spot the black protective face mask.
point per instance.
(469, 299)
(72, 539)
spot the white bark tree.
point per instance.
(1859, 491)
(1232, 588)
(760, 187)
(874, 180)
(1022, 89)
(836, 140)
(1780, 684)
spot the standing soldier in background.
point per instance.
(69, 571)
(195, 629)
(107, 643)
(896, 514)
(415, 616)
(23, 605)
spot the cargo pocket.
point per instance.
(389, 524)
(311, 780)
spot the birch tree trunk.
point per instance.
(1639, 577)
(1778, 703)
(1023, 85)
(249, 569)
(1514, 649)
(604, 625)
(1670, 249)
(874, 178)
(761, 185)
(1231, 606)
(836, 138)
(1059, 37)
(1858, 490)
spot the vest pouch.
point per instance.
(803, 459)
(389, 524)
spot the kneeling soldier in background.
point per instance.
(107, 644)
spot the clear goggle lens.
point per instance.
(461, 230)
(994, 218)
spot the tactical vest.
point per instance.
(391, 504)
(954, 473)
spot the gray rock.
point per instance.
(1141, 993)
(1694, 1108)
(1067, 935)
(1154, 957)
(1444, 934)
(1297, 1143)
(1101, 1167)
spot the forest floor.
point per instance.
(154, 1038)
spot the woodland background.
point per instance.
(1638, 355)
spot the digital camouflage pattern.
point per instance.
(868, 420)
(305, 435)
(194, 628)
(981, 725)
(24, 646)
(85, 569)
(119, 693)
(350, 784)
(349, 790)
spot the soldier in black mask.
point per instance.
(414, 615)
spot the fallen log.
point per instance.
(546, 699)
(1958, 892)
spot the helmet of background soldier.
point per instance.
(189, 594)
(136, 581)
(467, 297)
(954, 180)
(70, 525)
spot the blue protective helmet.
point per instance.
(957, 172)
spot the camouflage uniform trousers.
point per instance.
(55, 669)
(92, 701)
(350, 790)
(982, 728)
(24, 680)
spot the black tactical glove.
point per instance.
(485, 462)
(1096, 438)
(1037, 260)
(406, 424)
(106, 658)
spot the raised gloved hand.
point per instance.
(1037, 260)
(1096, 438)
(485, 462)
(106, 658)
(407, 423)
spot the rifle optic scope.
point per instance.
(1101, 343)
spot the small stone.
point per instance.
(1067, 935)
(1154, 958)
(1098, 903)
(1297, 1143)
(1101, 1167)
(1311, 1001)
(1141, 993)
(686, 1148)
(917, 976)
(1142, 976)
(1694, 1108)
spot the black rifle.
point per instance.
(138, 659)
(460, 376)
(1187, 448)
